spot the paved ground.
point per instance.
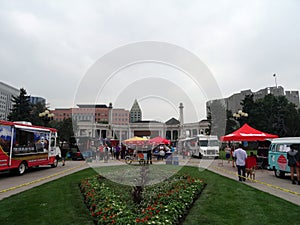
(265, 180)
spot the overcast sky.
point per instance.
(48, 47)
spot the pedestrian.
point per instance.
(100, 153)
(162, 153)
(106, 152)
(298, 166)
(118, 149)
(149, 154)
(123, 151)
(293, 158)
(240, 156)
(227, 153)
(232, 157)
(250, 166)
(63, 152)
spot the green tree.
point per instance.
(36, 110)
(272, 114)
(231, 123)
(21, 110)
(65, 128)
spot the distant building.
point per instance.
(135, 112)
(61, 114)
(119, 116)
(171, 129)
(98, 113)
(233, 102)
(6, 95)
(34, 100)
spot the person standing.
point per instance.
(227, 153)
(231, 155)
(293, 157)
(63, 152)
(149, 154)
(240, 156)
(118, 149)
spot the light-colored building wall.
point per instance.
(6, 94)
(120, 116)
(233, 102)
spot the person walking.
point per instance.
(240, 155)
(250, 166)
(63, 152)
(293, 157)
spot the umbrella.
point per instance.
(135, 140)
(159, 140)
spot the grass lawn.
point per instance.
(223, 201)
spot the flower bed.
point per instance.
(164, 203)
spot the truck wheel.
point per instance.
(279, 173)
(55, 163)
(200, 156)
(22, 168)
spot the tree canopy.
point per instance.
(271, 114)
(21, 110)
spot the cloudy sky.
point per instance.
(50, 48)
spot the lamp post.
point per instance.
(240, 116)
(46, 116)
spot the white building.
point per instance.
(6, 94)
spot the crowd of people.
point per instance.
(246, 165)
(118, 152)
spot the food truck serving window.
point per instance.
(30, 141)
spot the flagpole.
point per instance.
(274, 75)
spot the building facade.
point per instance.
(171, 129)
(6, 95)
(233, 102)
(34, 100)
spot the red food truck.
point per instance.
(23, 145)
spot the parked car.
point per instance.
(75, 153)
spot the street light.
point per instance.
(46, 116)
(239, 116)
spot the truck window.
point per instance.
(203, 143)
(282, 147)
(5, 137)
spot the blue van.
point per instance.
(277, 157)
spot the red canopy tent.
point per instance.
(247, 133)
(159, 140)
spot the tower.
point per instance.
(181, 133)
(135, 112)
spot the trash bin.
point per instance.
(175, 160)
